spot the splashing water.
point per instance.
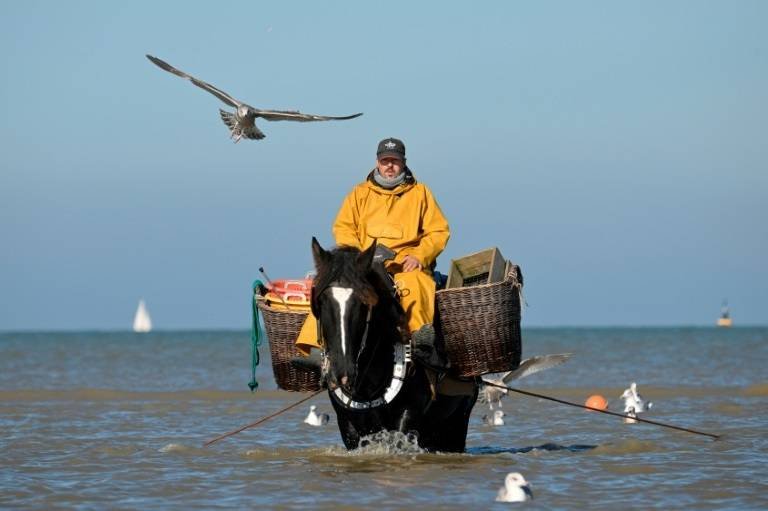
(389, 442)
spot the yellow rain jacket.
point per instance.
(406, 219)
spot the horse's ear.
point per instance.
(365, 259)
(319, 254)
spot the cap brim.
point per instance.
(387, 154)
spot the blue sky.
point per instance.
(616, 151)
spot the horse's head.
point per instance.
(349, 298)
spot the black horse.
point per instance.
(372, 382)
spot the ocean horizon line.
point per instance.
(247, 329)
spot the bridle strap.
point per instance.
(365, 334)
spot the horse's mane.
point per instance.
(342, 267)
(367, 284)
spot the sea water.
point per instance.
(98, 420)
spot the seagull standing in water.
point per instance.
(634, 404)
(515, 489)
(315, 419)
(527, 367)
(496, 420)
(242, 124)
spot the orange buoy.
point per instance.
(596, 401)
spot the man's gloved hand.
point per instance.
(425, 351)
(382, 254)
(430, 357)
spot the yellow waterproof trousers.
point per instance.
(417, 296)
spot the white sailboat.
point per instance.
(142, 323)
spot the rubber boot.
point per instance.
(313, 362)
(426, 351)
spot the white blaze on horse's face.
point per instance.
(342, 295)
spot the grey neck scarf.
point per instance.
(388, 183)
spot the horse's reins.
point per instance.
(370, 358)
(365, 334)
(395, 292)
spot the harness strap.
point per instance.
(399, 369)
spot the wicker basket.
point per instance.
(283, 328)
(481, 326)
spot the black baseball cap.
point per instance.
(391, 147)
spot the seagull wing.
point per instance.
(292, 115)
(533, 365)
(489, 394)
(226, 98)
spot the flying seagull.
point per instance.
(527, 367)
(242, 123)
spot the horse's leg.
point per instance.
(349, 434)
(450, 432)
(412, 406)
(408, 421)
(456, 427)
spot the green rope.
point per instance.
(255, 335)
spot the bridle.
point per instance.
(402, 359)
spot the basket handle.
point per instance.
(296, 284)
(293, 294)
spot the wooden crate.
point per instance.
(484, 267)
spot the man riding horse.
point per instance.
(393, 210)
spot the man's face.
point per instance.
(390, 167)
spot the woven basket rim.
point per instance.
(261, 304)
(508, 279)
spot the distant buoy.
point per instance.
(596, 401)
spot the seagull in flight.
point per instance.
(527, 367)
(242, 123)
